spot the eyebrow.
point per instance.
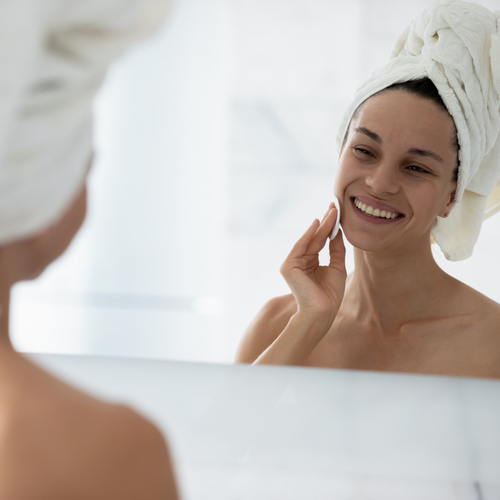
(372, 135)
(425, 152)
(413, 151)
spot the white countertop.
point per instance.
(246, 432)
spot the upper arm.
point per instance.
(265, 328)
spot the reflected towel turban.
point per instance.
(53, 59)
(457, 45)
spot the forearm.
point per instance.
(297, 341)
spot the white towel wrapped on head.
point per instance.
(53, 59)
(457, 45)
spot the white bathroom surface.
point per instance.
(281, 433)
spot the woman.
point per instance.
(409, 157)
(57, 442)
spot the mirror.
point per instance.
(214, 151)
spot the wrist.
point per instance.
(312, 325)
(314, 319)
(299, 338)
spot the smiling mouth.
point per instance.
(376, 213)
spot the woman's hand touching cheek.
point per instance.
(318, 292)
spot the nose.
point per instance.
(383, 178)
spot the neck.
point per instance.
(5, 344)
(387, 290)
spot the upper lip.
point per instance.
(372, 202)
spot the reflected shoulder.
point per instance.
(265, 328)
(486, 309)
(486, 332)
(490, 316)
(281, 305)
(483, 325)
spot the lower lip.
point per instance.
(373, 220)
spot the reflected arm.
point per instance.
(296, 342)
(288, 328)
(265, 328)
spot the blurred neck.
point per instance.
(8, 268)
(5, 343)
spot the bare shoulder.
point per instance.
(477, 321)
(71, 445)
(138, 455)
(485, 312)
(265, 328)
(485, 335)
(488, 317)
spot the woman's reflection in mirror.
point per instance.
(405, 165)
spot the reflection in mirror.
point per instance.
(419, 150)
(215, 150)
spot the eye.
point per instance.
(362, 151)
(415, 168)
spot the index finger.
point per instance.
(299, 249)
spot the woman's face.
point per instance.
(398, 158)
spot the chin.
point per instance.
(359, 238)
(364, 241)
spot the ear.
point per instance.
(445, 211)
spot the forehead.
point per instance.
(408, 120)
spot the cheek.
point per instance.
(425, 200)
(346, 174)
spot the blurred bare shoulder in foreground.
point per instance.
(57, 442)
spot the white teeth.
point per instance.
(376, 212)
